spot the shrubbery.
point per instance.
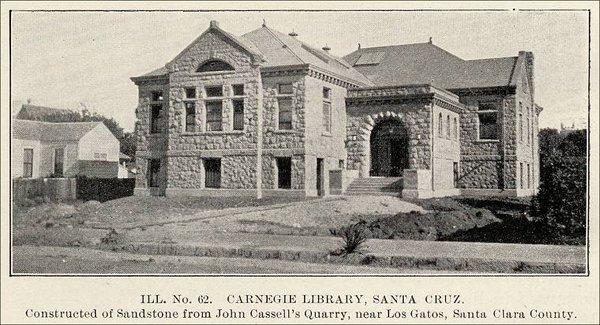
(561, 201)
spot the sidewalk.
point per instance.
(479, 257)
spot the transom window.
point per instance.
(214, 65)
(284, 89)
(488, 121)
(238, 90)
(157, 96)
(214, 91)
(190, 93)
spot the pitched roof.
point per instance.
(39, 113)
(280, 49)
(425, 63)
(46, 131)
(277, 50)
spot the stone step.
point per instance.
(374, 193)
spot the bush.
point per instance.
(561, 201)
(354, 236)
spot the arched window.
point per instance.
(448, 127)
(440, 126)
(214, 65)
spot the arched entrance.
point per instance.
(389, 148)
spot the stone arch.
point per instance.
(363, 136)
(214, 65)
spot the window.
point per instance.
(284, 173)
(59, 157)
(153, 172)
(440, 126)
(520, 126)
(27, 163)
(327, 117)
(155, 118)
(238, 114)
(341, 164)
(326, 93)
(456, 128)
(238, 90)
(284, 89)
(448, 127)
(214, 91)
(212, 173)
(455, 172)
(488, 124)
(528, 131)
(285, 113)
(214, 65)
(214, 116)
(190, 93)
(528, 176)
(157, 96)
(100, 156)
(521, 174)
(190, 116)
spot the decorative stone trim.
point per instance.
(311, 71)
(233, 152)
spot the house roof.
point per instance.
(39, 113)
(280, 50)
(426, 63)
(276, 49)
(47, 131)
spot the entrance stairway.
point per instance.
(375, 186)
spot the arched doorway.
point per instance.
(389, 148)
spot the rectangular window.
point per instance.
(238, 115)
(528, 131)
(488, 123)
(157, 96)
(214, 91)
(284, 173)
(326, 93)
(190, 117)
(521, 174)
(448, 127)
(520, 127)
(190, 93)
(155, 118)
(528, 176)
(100, 156)
(212, 173)
(214, 116)
(284, 89)
(455, 171)
(59, 157)
(238, 90)
(153, 172)
(341, 163)
(28, 163)
(285, 113)
(456, 128)
(327, 117)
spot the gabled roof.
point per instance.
(40, 113)
(47, 132)
(426, 63)
(281, 50)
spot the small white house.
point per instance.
(42, 149)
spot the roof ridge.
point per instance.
(46, 122)
(494, 58)
(286, 46)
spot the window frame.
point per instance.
(190, 118)
(289, 111)
(440, 125)
(237, 118)
(27, 163)
(208, 117)
(56, 163)
(480, 112)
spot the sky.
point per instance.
(69, 59)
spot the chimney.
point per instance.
(293, 34)
(430, 40)
(214, 24)
(359, 46)
(326, 48)
(264, 24)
